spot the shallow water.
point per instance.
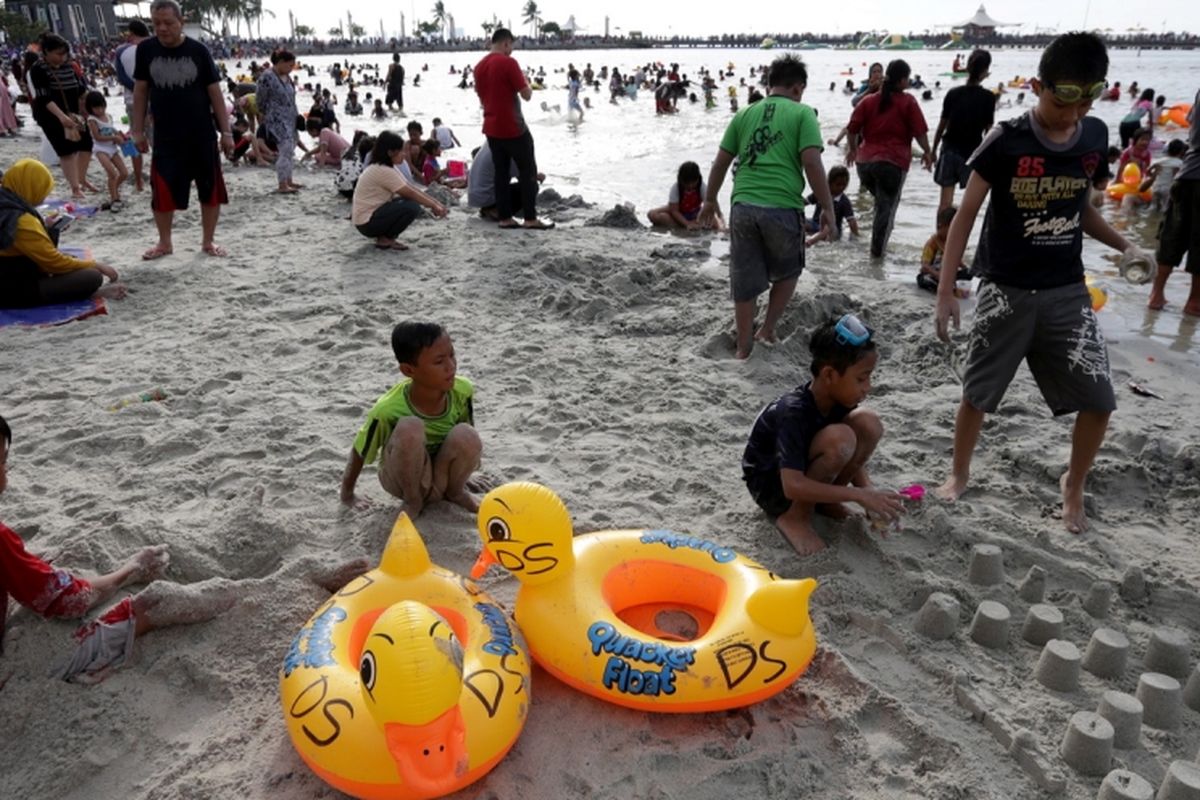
(625, 153)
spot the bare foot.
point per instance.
(214, 250)
(1157, 301)
(113, 291)
(465, 499)
(1074, 518)
(800, 536)
(90, 187)
(148, 564)
(952, 489)
(766, 337)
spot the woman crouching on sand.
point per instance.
(385, 204)
(33, 271)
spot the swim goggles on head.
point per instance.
(1073, 92)
(851, 330)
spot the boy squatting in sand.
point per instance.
(808, 450)
(107, 642)
(1033, 303)
(423, 426)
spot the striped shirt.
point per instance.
(60, 85)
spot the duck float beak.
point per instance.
(429, 757)
(482, 564)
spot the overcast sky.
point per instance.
(703, 18)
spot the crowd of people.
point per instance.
(808, 451)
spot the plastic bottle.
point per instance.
(151, 396)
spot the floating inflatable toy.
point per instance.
(649, 619)
(408, 683)
(1176, 115)
(1131, 179)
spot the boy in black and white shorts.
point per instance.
(1033, 304)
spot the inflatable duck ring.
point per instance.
(648, 619)
(408, 683)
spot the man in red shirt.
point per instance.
(501, 85)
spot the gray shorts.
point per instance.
(104, 644)
(951, 169)
(766, 245)
(1055, 331)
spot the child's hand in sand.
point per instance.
(355, 502)
(879, 503)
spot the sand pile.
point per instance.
(603, 366)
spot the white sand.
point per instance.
(602, 360)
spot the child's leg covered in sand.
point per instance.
(454, 463)
(868, 430)
(833, 449)
(405, 469)
(144, 566)
(164, 603)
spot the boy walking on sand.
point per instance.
(808, 450)
(422, 431)
(1033, 303)
(777, 143)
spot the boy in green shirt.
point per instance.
(423, 427)
(777, 141)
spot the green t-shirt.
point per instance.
(381, 419)
(767, 138)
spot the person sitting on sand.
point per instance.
(1033, 303)
(107, 642)
(423, 430)
(808, 449)
(931, 256)
(432, 171)
(33, 271)
(385, 203)
(330, 145)
(683, 203)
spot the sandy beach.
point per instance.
(603, 364)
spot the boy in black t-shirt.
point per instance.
(808, 449)
(1033, 303)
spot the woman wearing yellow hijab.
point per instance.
(33, 271)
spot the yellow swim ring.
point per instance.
(648, 619)
(408, 683)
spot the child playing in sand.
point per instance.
(444, 134)
(330, 145)
(422, 430)
(683, 202)
(432, 171)
(107, 147)
(413, 153)
(843, 209)
(1033, 303)
(931, 256)
(808, 450)
(107, 642)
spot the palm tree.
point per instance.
(439, 16)
(532, 15)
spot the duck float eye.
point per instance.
(366, 670)
(498, 530)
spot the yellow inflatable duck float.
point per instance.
(649, 619)
(408, 683)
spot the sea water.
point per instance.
(624, 153)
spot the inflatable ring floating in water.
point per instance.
(1131, 179)
(408, 683)
(648, 619)
(1176, 114)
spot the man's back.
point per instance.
(497, 80)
